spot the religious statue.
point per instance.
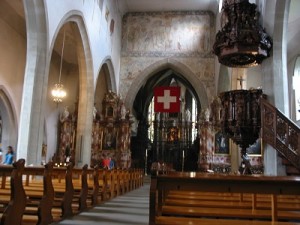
(65, 115)
(187, 115)
(207, 114)
(123, 111)
(157, 116)
(94, 112)
(216, 107)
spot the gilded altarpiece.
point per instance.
(214, 152)
(111, 133)
(67, 134)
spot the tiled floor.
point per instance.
(129, 209)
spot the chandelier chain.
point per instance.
(61, 58)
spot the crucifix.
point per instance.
(241, 80)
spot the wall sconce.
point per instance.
(58, 92)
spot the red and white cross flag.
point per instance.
(166, 99)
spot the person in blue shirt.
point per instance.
(111, 163)
(9, 156)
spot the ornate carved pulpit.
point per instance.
(240, 116)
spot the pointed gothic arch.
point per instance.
(82, 88)
(105, 81)
(9, 125)
(159, 66)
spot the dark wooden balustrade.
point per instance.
(280, 132)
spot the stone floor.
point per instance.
(129, 209)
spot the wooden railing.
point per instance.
(280, 132)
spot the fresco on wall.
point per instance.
(150, 38)
(175, 33)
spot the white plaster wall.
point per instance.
(12, 64)
(102, 44)
(254, 77)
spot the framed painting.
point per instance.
(255, 149)
(222, 144)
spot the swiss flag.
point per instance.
(166, 99)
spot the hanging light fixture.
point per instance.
(241, 42)
(58, 92)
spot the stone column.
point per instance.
(31, 127)
(274, 70)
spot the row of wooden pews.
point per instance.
(42, 195)
(209, 199)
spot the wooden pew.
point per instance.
(124, 181)
(162, 186)
(39, 196)
(39, 193)
(108, 185)
(63, 189)
(47, 188)
(14, 210)
(98, 186)
(76, 178)
(240, 201)
(139, 177)
(83, 196)
(5, 174)
(93, 185)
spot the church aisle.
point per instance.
(131, 208)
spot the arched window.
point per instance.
(296, 86)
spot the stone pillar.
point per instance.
(275, 77)
(275, 82)
(31, 127)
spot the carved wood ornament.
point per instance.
(241, 42)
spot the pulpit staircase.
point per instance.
(282, 134)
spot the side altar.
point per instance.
(111, 133)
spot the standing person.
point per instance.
(1, 155)
(106, 162)
(9, 156)
(111, 163)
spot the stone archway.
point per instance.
(9, 132)
(80, 88)
(170, 69)
(163, 64)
